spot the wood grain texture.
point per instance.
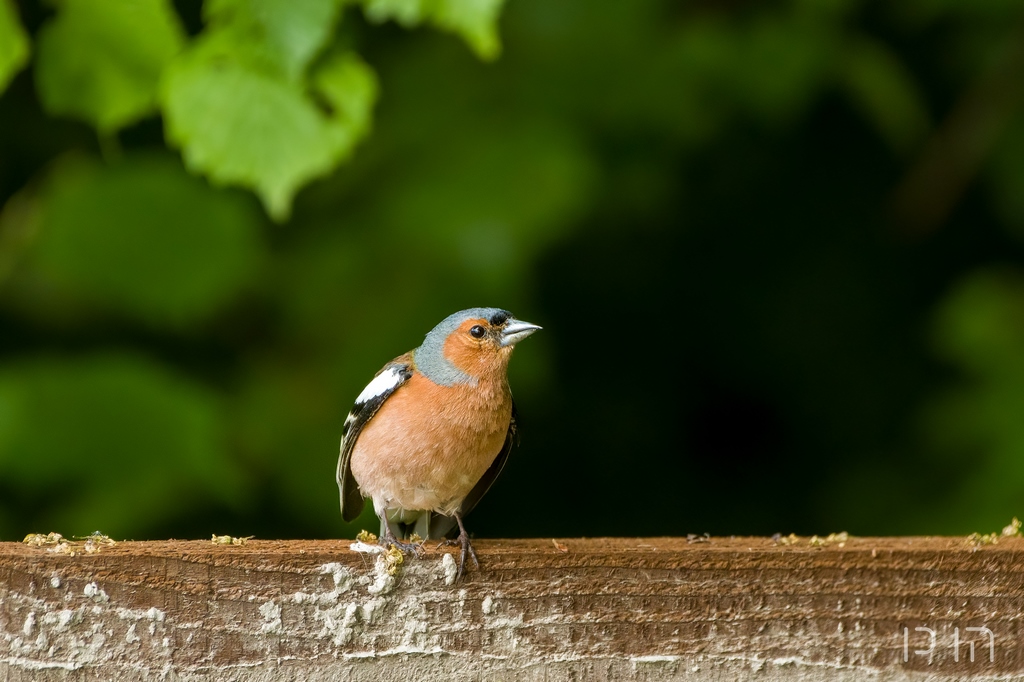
(605, 609)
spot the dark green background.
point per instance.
(775, 248)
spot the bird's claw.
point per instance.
(415, 548)
(467, 548)
(463, 539)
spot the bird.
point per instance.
(432, 430)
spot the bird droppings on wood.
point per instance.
(388, 561)
(271, 612)
(93, 591)
(651, 609)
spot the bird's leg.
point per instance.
(463, 540)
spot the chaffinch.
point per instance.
(433, 429)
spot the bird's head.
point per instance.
(470, 344)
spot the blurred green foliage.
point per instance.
(134, 440)
(775, 248)
(980, 328)
(101, 60)
(13, 43)
(239, 106)
(160, 226)
(475, 20)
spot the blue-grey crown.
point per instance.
(430, 358)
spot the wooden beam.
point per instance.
(593, 609)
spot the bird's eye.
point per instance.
(477, 331)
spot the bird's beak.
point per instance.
(515, 331)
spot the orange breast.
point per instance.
(428, 445)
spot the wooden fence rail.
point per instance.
(582, 609)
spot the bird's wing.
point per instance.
(487, 480)
(383, 385)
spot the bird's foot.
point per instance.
(415, 548)
(467, 548)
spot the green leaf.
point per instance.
(14, 46)
(274, 34)
(408, 13)
(245, 127)
(886, 92)
(476, 21)
(101, 60)
(117, 441)
(144, 238)
(349, 86)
